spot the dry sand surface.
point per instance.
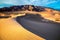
(11, 30)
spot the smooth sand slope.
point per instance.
(11, 30)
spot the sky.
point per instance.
(47, 3)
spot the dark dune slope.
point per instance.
(47, 29)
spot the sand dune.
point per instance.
(11, 30)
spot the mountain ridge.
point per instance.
(18, 7)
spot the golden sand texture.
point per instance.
(11, 30)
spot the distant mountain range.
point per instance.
(55, 4)
(22, 8)
(11, 8)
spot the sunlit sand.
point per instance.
(11, 30)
